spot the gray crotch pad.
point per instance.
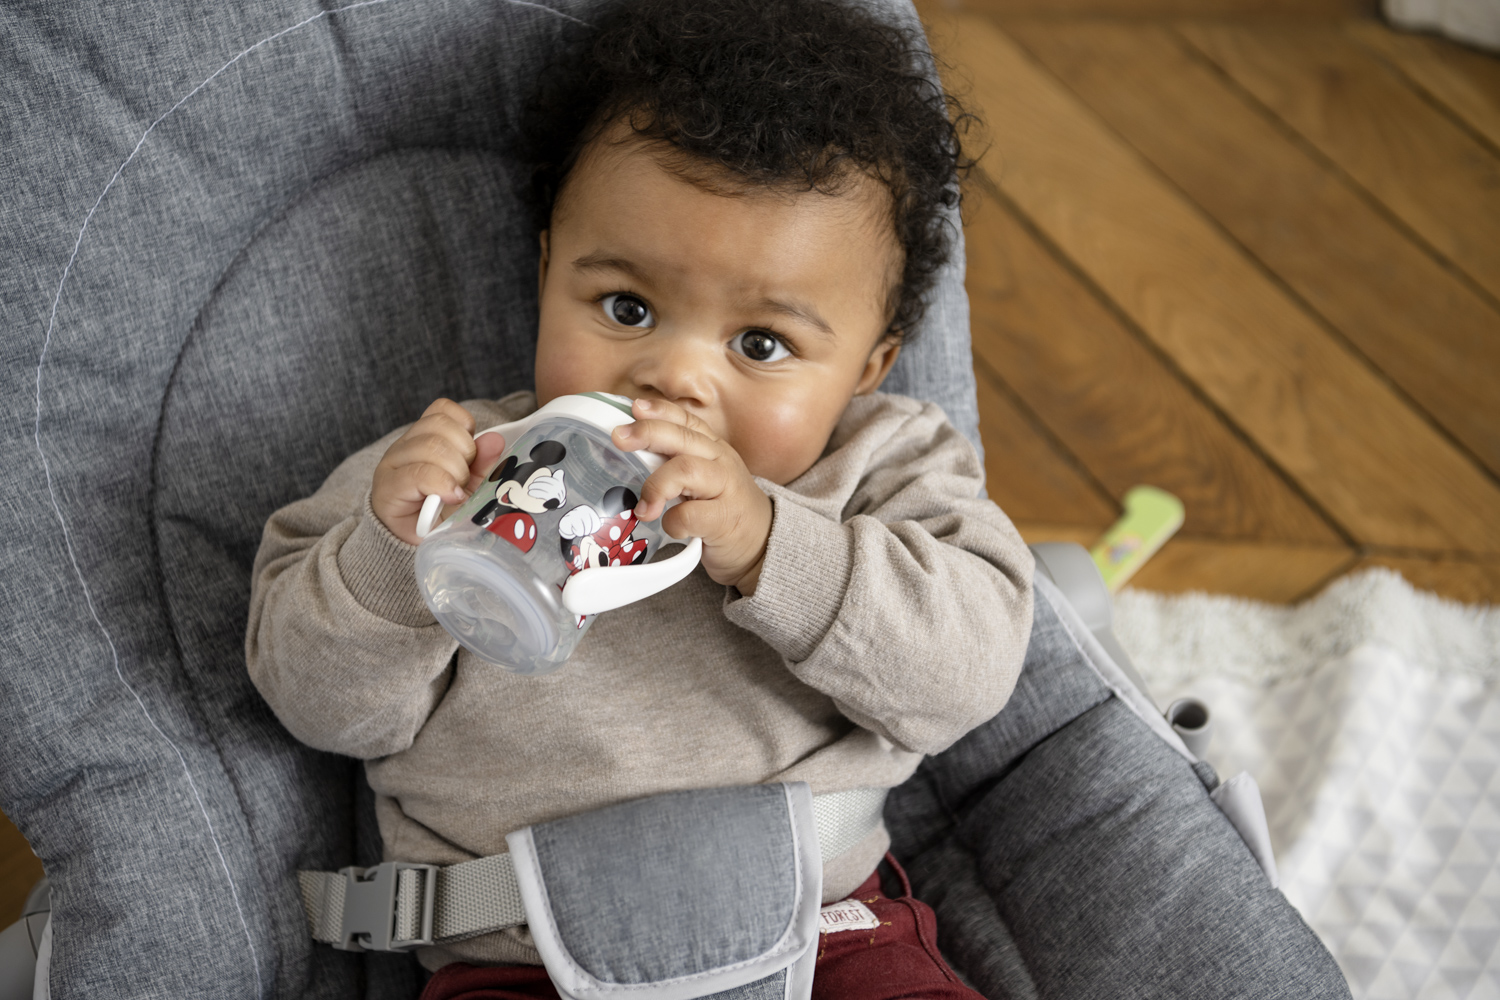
(677, 896)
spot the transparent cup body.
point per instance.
(560, 502)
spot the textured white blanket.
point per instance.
(1370, 716)
(1474, 21)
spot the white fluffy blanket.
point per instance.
(1370, 716)
(1474, 21)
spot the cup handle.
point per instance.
(606, 588)
(432, 507)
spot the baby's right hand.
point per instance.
(437, 454)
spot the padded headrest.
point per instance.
(241, 241)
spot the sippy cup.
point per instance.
(549, 540)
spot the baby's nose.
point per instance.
(677, 370)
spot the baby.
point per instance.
(743, 208)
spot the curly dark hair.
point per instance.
(789, 94)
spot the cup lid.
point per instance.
(604, 410)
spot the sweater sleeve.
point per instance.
(339, 641)
(911, 606)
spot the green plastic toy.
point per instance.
(1151, 517)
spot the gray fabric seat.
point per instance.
(1070, 852)
(239, 244)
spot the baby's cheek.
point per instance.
(783, 442)
(569, 360)
(559, 371)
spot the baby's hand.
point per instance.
(437, 454)
(721, 502)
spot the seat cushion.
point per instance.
(237, 242)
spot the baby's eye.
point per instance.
(758, 345)
(627, 310)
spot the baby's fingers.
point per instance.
(487, 451)
(703, 519)
(414, 483)
(661, 409)
(666, 437)
(398, 492)
(430, 447)
(687, 476)
(448, 410)
(439, 431)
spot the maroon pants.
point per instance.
(897, 959)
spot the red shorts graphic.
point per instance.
(873, 948)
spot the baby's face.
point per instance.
(762, 313)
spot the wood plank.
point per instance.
(1167, 8)
(1425, 329)
(1280, 574)
(1111, 400)
(1337, 429)
(1026, 474)
(20, 870)
(1470, 581)
(1437, 177)
(1466, 81)
(1262, 571)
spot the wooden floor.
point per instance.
(1247, 251)
(19, 871)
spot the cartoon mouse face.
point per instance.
(532, 486)
(601, 536)
(523, 489)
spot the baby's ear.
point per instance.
(878, 365)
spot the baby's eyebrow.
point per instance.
(798, 311)
(601, 262)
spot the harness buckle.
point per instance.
(377, 899)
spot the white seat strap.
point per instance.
(399, 905)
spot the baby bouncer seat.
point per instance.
(241, 242)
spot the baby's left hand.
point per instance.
(721, 502)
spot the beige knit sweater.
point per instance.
(891, 617)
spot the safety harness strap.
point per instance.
(400, 905)
(843, 819)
